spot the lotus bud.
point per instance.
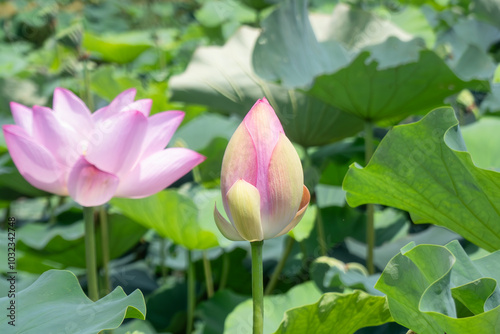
(262, 181)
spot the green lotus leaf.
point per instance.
(172, 215)
(392, 92)
(222, 78)
(55, 303)
(275, 306)
(337, 313)
(287, 49)
(356, 29)
(488, 10)
(439, 289)
(424, 168)
(468, 42)
(482, 138)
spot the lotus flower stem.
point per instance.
(163, 258)
(321, 233)
(90, 257)
(370, 228)
(225, 271)
(257, 287)
(279, 267)
(319, 221)
(190, 293)
(208, 275)
(103, 219)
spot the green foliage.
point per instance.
(61, 246)
(391, 92)
(222, 78)
(56, 300)
(172, 215)
(287, 49)
(274, 309)
(304, 228)
(335, 312)
(433, 289)
(330, 275)
(423, 168)
(326, 67)
(214, 311)
(481, 139)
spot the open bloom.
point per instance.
(262, 181)
(116, 151)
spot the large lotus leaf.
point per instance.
(413, 20)
(468, 42)
(488, 10)
(172, 215)
(439, 289)
(395, 92)
(55, 303)
(119, 48)
(424, 168)
(356, 28)
(240, 320)
(482, 138)
(337, 313)
(222, 78)
(287, 49)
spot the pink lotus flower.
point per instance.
(262, 181)
(116, 151)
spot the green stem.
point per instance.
(163, 258)
(225, 271)
(370, 228)
(257, 287)
(103, 218)
(321, 233)
(190, 293)
(50, 211)
(319, 220)
(90, 257)
(279, 267)
(208, 275)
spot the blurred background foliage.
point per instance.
(326, 67)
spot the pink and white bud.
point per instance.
(262, 181)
